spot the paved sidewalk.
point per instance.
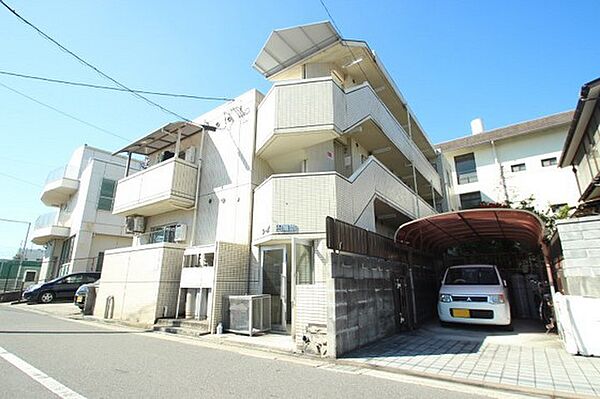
(547, 368)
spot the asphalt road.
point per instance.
(95, 361)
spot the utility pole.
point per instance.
(24, 242)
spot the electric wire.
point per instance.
(64, 113)
(343, 43)
(102, 87)
(19, 179)
(95, 69)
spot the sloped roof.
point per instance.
(163, 137)
(445, 230)
(532, 126)
(285, 47)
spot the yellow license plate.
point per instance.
(79, 299)
(461, 313)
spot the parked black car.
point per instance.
(59, 288)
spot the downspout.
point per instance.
(197, 199)
(501, 171)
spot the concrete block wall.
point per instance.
(580, 240)
(364, 301)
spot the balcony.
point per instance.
(47, 228)
(164, 187)
(298, 203)
(60, 184)
(298, 114)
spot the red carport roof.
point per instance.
(444, 230)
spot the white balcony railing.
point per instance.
(164, 187)
(47, 228)
(60, 184)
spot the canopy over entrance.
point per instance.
(445, 230)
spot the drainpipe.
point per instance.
(502, 179)
(197, 199)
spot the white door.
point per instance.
(275, 282)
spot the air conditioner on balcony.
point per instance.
(135, 224)
(180, 232)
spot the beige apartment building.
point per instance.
(235, 202)
(82, 226)
(510, 164)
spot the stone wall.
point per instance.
(580, 240)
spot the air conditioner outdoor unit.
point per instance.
(249, 314)
(139, 224)
(129, 224)
(180, 232)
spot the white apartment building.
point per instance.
(511, 163)
(239, 197)
(81, 227)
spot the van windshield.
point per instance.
(471, 276)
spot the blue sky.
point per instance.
(504, 61)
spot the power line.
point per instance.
(339, 30)
(19, 179)
(95, 69)
(63, 113)
(94, 86)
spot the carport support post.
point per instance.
(128, 165)
(548, 262)
(412, 288)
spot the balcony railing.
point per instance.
(163, 187)
(165, 234)
(467, 177)
(61, 183)
(47, 228)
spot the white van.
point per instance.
(474, 294)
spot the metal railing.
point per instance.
(165, 234)
(468, 177)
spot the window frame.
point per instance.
(103, 197)
(552, 162)
(518, 167)
(460, 198)
(470, 174)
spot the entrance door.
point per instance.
(276, 283)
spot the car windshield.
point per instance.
(471, 276)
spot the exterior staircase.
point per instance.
(188, 327)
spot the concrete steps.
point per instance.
(191, 328)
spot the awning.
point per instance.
(163, 137)
(445, 230)
(285, 47)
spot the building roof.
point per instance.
(518, 129)
(445, 230)
(163, 137)
(285, 47)
(588, 98)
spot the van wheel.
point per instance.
(445, 324)
(508, 327)
(46, 297)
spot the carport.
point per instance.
(511, 239)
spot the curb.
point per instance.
(321, 362)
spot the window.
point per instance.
(29, 276)
(107, 195)
(162, 234)
(66, 251)
(470, 200)
(471, 276)
(466, 169)
(549, 162)
(520, 167)
(305, 268)
(75, 279)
